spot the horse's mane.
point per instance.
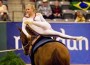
(30, 31)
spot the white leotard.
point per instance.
(42, 27)
(38, 19)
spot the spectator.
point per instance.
(3, 8)
(46, 10)
(3, 12)
(5, 17)
(56, 9)
(79, 17)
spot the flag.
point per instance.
(82, 5)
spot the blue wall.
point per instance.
(79, 50)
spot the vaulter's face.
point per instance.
(28, 10)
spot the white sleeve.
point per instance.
(23, 28)
(42, 18)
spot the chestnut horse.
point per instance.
(50, 53)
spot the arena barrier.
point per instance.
(79, 50)
(10, 50)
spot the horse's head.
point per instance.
(26, 42)
(23, 37)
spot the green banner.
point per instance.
(3, 40)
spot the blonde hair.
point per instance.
(32, 5)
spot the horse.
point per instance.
(50, 53)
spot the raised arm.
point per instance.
(23, 28)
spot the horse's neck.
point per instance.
(34, 35)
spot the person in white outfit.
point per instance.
(40, 25)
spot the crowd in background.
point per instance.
(48, 11)
(55, 11)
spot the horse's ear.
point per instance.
(19, 29)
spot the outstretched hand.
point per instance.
(28, 22)
(79, 38)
